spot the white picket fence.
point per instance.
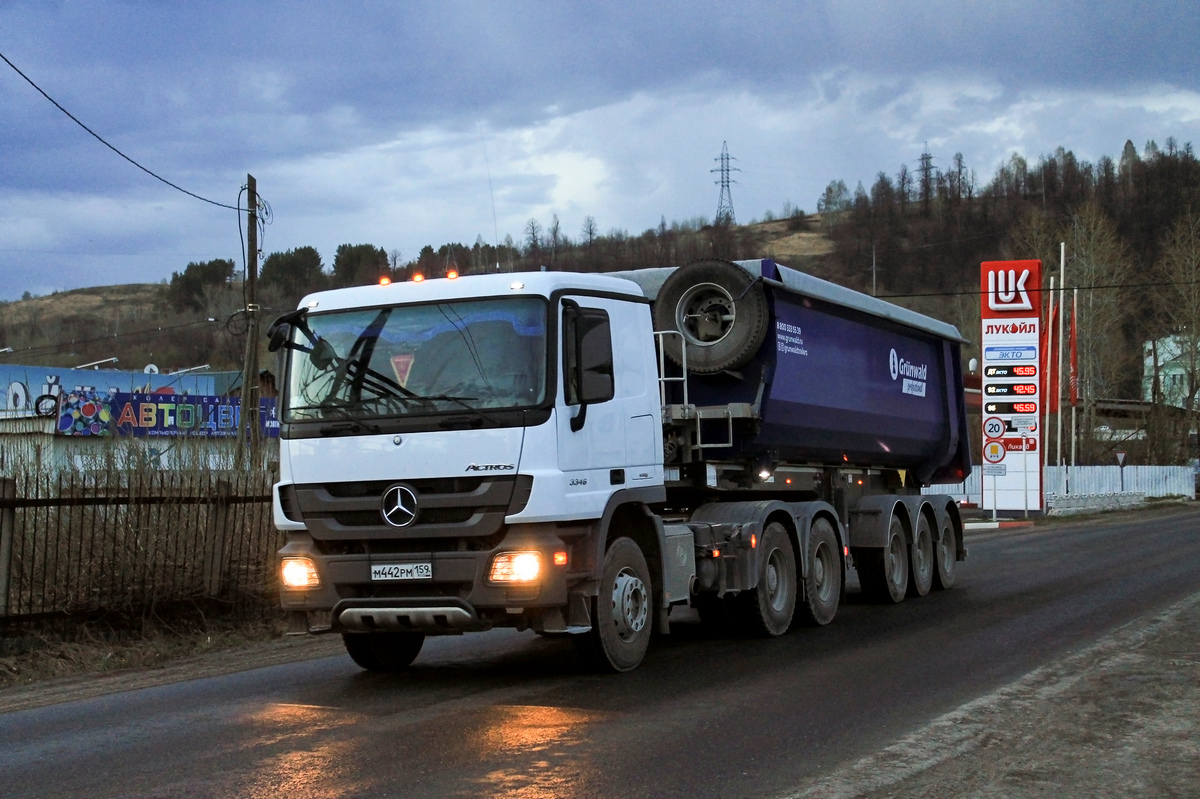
(1152, 481)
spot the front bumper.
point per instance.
(459, 598)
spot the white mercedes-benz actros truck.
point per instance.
(577, 454)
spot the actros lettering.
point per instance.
(491, 467)
(1006, 292)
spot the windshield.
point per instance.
(452, 356)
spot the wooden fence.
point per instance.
(128, 543)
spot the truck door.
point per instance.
(589, 409)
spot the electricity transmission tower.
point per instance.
(725, 203)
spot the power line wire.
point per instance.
(78, 342)
(1101, 287)
(100, 139)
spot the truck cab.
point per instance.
(448, 448)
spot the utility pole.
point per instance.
(248, 418)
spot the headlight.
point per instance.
(516, 567)
(299, 573)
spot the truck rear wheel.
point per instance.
(768, 608)
(624, 610)
(384, 652)
(720, 309)
(920, 575)
(884, 572)
(823, 588)
(946, 553)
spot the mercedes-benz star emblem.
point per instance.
(399, 508)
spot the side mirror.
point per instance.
(280, 331)
(278, 335)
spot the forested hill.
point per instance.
(930, 226)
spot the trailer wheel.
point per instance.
(884, 572)
(624, 610)
(384, 652)
(720, 310)
(921, 568)
(823, 588)
(768, 608)
(946, 553)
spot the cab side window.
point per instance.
(587, 343)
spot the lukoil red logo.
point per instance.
(1010, 289)
(1006, 291)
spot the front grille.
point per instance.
(375, 488)
(368, 518)
(451, 507)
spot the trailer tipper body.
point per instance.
(578, 454)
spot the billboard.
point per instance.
(87, 412)
(1011, 342)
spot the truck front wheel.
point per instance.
(385, 652)
(884, 572)
(624, 610)
(768, 608)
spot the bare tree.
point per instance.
(1180, 304)
(554, 237)
(533, 240)
(1099, 263)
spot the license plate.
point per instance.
(401, 571)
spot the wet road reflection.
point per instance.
(546, 741)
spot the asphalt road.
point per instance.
(508, 714)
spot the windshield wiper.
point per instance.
(348, 427)
(463, 402)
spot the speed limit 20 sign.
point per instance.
(994, 427)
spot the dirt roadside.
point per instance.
(1118, 719)
(209, 664)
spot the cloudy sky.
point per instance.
(380, 122)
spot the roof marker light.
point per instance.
(418, 277)
(452, 274)
(385, 280)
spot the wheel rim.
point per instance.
(630, 605)
(777, 588)
(822, 571)
(946, 547)
(922, 556)
(895, 565)
(705, 314)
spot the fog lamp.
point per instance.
(299, 573)
(516, 567)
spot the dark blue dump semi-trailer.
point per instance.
(786, 393)
(822, 374)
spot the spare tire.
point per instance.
(721, 311)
